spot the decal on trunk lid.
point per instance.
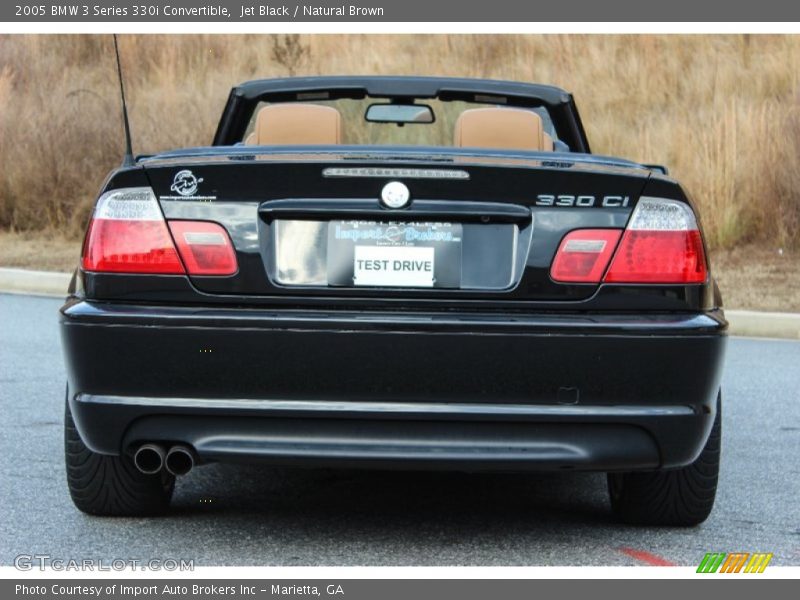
(186, 184)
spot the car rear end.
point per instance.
(543, 314)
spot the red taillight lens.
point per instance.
(661, 244)
(583, 255)
(205, 248)
(659, 257)
(128, 235)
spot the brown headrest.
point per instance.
(508, 128)
(296, 124)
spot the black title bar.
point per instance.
(460, 11)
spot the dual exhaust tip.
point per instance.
(151, 458)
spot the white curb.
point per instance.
(763, 324)
(41, 283)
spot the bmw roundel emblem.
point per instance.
(395, 195)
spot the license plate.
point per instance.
(380, 254)
(402, 266)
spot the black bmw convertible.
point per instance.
(395, 272)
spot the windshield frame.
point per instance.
(245, 98)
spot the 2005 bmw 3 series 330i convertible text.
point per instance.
(395, 272)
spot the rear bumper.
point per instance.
(469, 391)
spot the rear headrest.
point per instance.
(506, 128)
(296, 124)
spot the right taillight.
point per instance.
(661, 244)
(583, 255)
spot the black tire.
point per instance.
(111, 485)
(677, 497)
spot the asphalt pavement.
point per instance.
(245, 515)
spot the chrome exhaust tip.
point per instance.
(149, 458)
(179, 460)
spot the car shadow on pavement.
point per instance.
(381, 496)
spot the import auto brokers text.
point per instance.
(134, 591)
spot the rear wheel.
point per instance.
(111, 485)
(678, 497)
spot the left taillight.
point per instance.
(205, 247)
(128, 234)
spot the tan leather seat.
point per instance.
(296, 124)
(505, 128)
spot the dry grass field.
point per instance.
(723, 112)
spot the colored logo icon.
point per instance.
(735, 562)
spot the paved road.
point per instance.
(226, 515)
